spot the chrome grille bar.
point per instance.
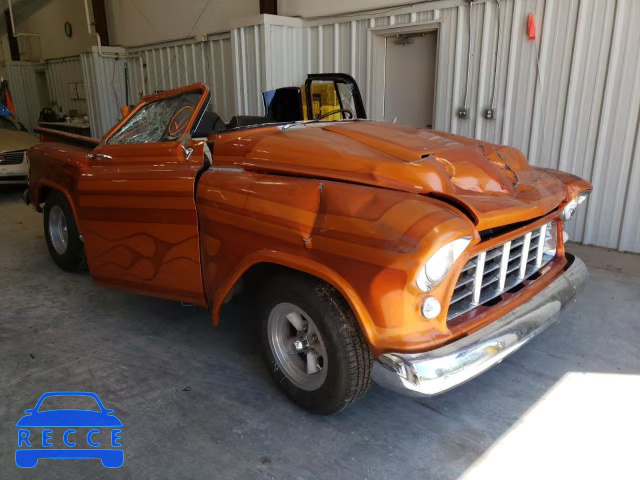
(540, 251)
(477, 281)
(504, 264)
(497, 270)
(525, 255)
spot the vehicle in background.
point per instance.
(14, 142)
(373, 251)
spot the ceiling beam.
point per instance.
(269, 7)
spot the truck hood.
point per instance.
(12, 140)
(493, 184)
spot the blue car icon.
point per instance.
(63, 431)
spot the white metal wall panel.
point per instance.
(284, 44)
(265, 56)
(176, 64)
(21, 77)
(569, 100)
(584, 97)
(60, 73)
(24, 90)
(106, 93)
(249, 68)
(610, 210)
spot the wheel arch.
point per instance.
(263, 264)
(44, 189)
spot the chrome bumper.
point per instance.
(436, 371)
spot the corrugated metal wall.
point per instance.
(61, 73)
(265, 56)
(23, 87)
(105, 87)
(569, 100)
(21, 77)
(175, 64)
(249, 68)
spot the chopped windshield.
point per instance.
(331, 100)
(346, 97)
(160, 121)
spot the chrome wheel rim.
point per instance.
(58, 233)
(298, 346)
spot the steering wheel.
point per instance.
(333, 112)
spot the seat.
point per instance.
(283, 104)
(208, 124)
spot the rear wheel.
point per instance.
(60, 230)
(313, 345)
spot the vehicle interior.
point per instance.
(330, 97)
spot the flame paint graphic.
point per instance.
(161, 249)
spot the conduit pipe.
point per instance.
(110, 55)
(13, 25)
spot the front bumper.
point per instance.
(13, 173)
(439, 370)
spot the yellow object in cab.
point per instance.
(324, 100)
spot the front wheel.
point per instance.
(313, 345)
(60, 230)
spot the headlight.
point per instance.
(572, 206)
(437, 267)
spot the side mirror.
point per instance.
(125, 110)
(29, 410)
(109, 411)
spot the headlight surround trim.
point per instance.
(568, 212)
(436, 268)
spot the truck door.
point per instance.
(136, 199)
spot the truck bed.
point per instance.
(50, 135)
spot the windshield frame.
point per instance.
(146, 100)
(360, 113)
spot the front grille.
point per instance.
(12, 158)
(494, 272)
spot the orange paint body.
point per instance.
(359, 204)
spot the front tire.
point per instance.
(313, 345)
(63, 239)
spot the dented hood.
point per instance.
(493, 184)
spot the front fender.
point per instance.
(573, 185)
(367, 242)
(57, 167)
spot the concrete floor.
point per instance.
(196, 402)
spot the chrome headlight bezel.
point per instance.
(568, 212)
(436, 268)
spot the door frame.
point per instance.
(377, 42)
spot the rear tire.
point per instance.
(61, 233)
(313, 345)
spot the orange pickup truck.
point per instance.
(375, 252)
